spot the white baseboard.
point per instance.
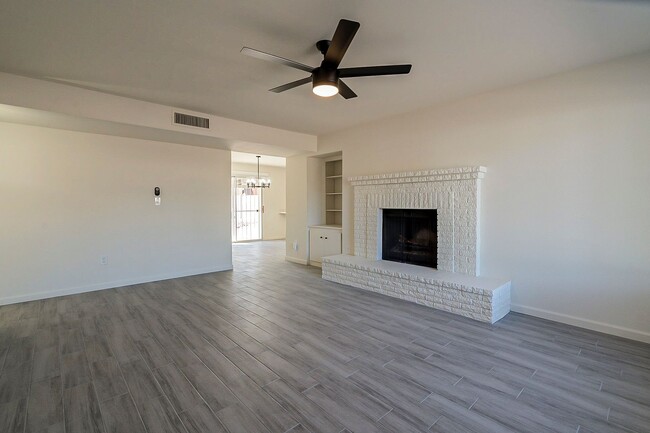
(606, 328)
(296, 260)
(108, 285)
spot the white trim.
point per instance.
(108, 285)
(593, 325)
(296, 260)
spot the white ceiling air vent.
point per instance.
(191, 120)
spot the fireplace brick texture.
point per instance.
(455, 193)
(474, 297)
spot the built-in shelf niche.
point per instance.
(334, 192)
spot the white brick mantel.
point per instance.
(453, 192)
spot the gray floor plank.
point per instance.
(74, 369)
(200, 419)
(633, 421)
(14, 383)
(177, 387)
(446, 425)
(122, 347)
(257, 371)
(344, 390)
(398, 421)
(347, 416)
(518, 416)
(158, 415)
(107, 378)
(46, 364)
(97, 347)
(20, 352)
(239, 419)
(45, 409)
(70, 341)
(13, 415)
(291, 374)
(269, 411)
(421, 372)
(566, 413)
(312, 416)
(82, 413)
(465, 417)
(321, 359)
(153, 353)
(215, 393)
(141, 382)
(121, 416)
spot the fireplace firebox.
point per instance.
(410, 236)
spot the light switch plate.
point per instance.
(156, 200)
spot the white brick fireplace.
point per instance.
(455, 285)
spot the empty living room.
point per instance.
(338, 216)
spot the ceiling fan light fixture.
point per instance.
(325, 90)
(325, 82)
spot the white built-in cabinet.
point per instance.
(323, 241)
(326, 239)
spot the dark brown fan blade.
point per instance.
(276, 59)
(341, 40)
(369, 71)
(345, 91)
(290, 85)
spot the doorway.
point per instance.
(246, 211)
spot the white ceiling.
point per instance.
(250, 158)
(186, 53)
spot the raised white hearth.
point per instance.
(455, 285)
(483, 299)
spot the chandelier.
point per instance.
(259, 182)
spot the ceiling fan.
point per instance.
(326, 78)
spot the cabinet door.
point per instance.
(331, 243)
(315, 245)
(323, 242)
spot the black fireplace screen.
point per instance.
(410, 236)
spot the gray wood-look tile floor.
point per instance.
(271, 347)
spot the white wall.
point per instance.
(305, 203)
(68, 198)
(565, 205)
(274, 199)
(297, 240)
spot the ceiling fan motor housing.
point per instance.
(325, 75)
